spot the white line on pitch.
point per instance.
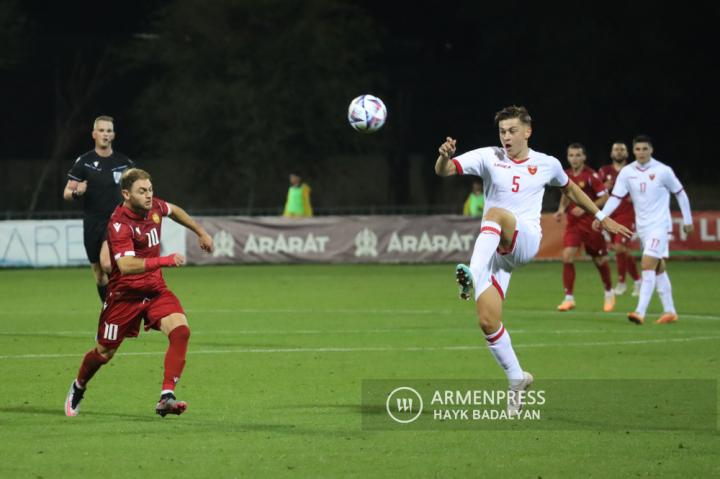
(376, 349)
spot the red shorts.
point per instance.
(576, 235)
(121, 317)
(628, 222)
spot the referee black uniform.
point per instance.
(102, 195)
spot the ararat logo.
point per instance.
(117, 227)
(532, 169)
(366, 243)
(404, 405)
(652, 177)
(224, 244)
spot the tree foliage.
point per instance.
(237, 88)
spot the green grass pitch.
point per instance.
(278, 355)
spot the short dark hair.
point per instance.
(513, 111)
(642, 139)
(619, 142)
(578, 146)
(131, 175)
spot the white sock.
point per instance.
(646, 290)
(487, 242)
(664, 289)
(501, 347)
(569, 297)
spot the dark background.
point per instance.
(220, 100)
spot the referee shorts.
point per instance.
(94, 233)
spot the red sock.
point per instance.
(605, 275)
(632, 267)
(568, 277)
(621, 259)
(175, 356)
(90, 364)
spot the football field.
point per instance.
(277, 360)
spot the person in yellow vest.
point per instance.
(475, 201)
(298, 198)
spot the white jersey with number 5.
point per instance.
(649, 186)
(517, 186)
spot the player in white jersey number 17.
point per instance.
(649, 184)
(514, 179)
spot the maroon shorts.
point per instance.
(575, 236)
(628, 222)
(121, 317)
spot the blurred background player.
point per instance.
(298, 203)
(514, 177)
(95, 177)
(579, 230)
(475, 202)
(624, 215)
(649, 184)
(138, 291)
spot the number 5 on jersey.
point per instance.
(516, 184)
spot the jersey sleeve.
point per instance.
(620, 190)
(558, 177)
(164, 206)
(671, 181)
(78, 171)
(472, 162)
(120, 239)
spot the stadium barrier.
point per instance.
(327, 239)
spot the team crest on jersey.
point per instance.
(116, 176)
(156, 218)
(581, 184)
(532, 169)
(652, 177)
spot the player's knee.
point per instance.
(182, 333)
(105, 266)
(106, 353)
(495, 214)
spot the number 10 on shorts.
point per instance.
(111, 332)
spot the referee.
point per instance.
(95, 177)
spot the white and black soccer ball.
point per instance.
(367, 113)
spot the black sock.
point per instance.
(102, 292)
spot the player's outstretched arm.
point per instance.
(443, 165)
(578, 196)
(181, 216)
(133, 265)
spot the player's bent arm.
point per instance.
(134, 265)
(181, 216)
(578, 196)
(445, 167)
(70, 187)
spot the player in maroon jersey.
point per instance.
(625, 215)
(579, 231)
(137, 289)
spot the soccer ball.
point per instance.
(367, 113)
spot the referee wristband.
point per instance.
(600, 216)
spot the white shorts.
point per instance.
(655, 243)
(524, 247)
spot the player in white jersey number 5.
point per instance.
(514, 179)
(649, 184)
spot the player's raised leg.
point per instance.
(175, 327)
